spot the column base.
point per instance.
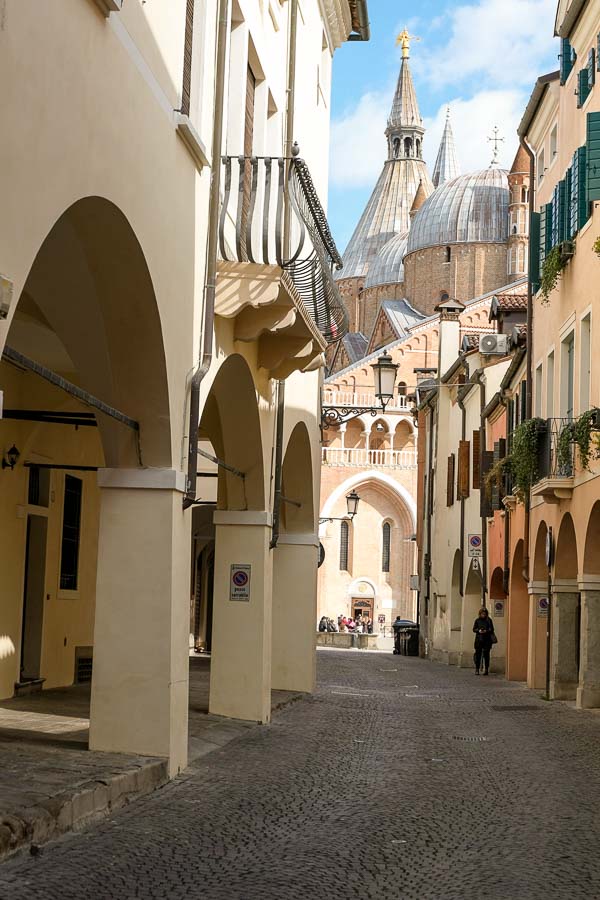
(563, 690)
(588, 696)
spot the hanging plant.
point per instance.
(596, 246)
(582, 431)
(495, 476)
(552, 268)
(564, 453)
(524, 455)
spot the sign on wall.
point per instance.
(381, 618)
(499, 609)
(239, 586)
(542, 607)
(414, 582)
(475, 545)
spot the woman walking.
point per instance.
(484, 638)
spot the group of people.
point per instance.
(360, 625)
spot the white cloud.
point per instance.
(503, 41)
(473, 121)
(358, 146)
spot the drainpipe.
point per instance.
(429, 505)
(482, 442)
(289, 140)
(210, 283)
(529, 391)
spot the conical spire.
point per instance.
(405, 108)
(446, 165)
(420, 198)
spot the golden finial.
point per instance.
(404, 40)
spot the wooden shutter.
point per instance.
(450, 481)
(559, 208)
(593, 157)
(583, 87)
(591, 68)
(476, 461)
(186, 89)
(534, 252)
(464, 453)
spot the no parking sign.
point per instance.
(239, 586)
(475, 545)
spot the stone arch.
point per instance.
(404, 435)
(297, 483)
(497, 591)
(472, 602)
(591, 553)
(456, 599)
(517, 619)
(540, 570)
(565, 560)
(230, 412)
(379, 478)
(88, 308)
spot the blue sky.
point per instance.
(480, 57)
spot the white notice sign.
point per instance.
(475, 546)
(239, 586)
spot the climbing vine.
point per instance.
(582, 431)
(596, 246)
(495, 476)
(524, 455)
(552, 268)
(564, 455)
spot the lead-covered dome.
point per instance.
(388, 265)
(470, 209)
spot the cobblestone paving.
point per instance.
(400, 778)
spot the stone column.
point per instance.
(588, 692)
(295, 612)
(139, 701)
(536, 656)
(343, 427)
(240, 672)
(565, 627)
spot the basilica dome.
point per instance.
(388, 265)
(469, 209)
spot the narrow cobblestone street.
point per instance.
(400, 778)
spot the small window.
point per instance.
(71, 531)
(524, 195)
(554, 142)
(448, 254)
(344, 535)
(402, 389)
(387, 538)
(541, 165)
(38, 493)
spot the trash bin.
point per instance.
(411, 637)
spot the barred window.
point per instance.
(385, 556)
(71, 530)
(344, 534)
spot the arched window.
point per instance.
(418, 143)
(386, 542)
(407, 146)
(402, 389)
(396, 148)
(344, 536)
(524, 195)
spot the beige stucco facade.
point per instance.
(105, 177)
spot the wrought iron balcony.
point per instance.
(261, 195)
(556, 461)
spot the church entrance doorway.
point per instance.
(362, 607)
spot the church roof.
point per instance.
(470, 209)
(401, 315)
(405, 107)
(355, 345)
(388, 266)
(446, 165)
(420, 198)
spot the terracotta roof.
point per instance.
(509, 302)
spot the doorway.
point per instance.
(362, 607)
(33, 598)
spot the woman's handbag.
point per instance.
(494, 638)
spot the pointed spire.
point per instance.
(405, 108)
(446, 165)
(420, 198)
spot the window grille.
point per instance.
(71, 531)
(385, 556)
(344, 540)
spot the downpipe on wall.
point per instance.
(529, 365)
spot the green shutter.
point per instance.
(534, 254)
(566, 59)
(545, 232)
(593, 157)
(583, 87)
(569, 232)
(558, 213)
(591, 68)
(578, 212)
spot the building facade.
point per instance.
(140, 322)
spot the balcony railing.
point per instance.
(393, 459)
(556, 457)
(350, 399)
(260, 193)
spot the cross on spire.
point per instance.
(496, 140)
(404, 39)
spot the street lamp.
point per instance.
(11, 458)
(384, 372)
(352, 501)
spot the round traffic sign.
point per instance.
(240, 579)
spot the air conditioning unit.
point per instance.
(493, 344)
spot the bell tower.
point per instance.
(405, 129)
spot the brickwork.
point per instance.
(473, 270)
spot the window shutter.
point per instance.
(495, 487)
(476, 461)
(578, 200)
(534, 254)
(464, 452)
(545, 232)
(593, 157)
(583, 87)
(450, 480)
(187, 58)
(567, 205)
(598, 53)
(487, 461)
(566, 59)
(558, 214)
(344, 534)
(591, 68)
(385, 555)
(523, 400)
